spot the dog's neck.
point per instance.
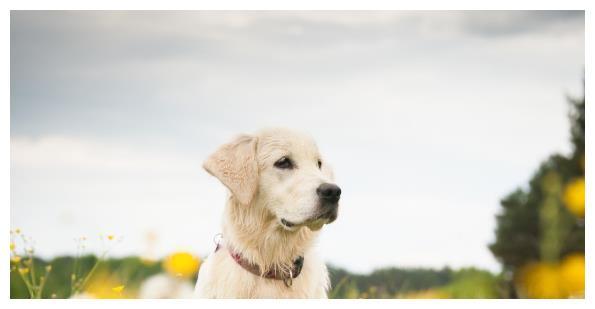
(254, 232)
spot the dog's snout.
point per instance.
(329, 192)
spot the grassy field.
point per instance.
(90, 276)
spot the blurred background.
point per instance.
(456, 136)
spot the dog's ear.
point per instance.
(234, 164)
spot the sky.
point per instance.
(428, 119)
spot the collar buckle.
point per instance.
(289, 280)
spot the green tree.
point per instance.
(533, 223)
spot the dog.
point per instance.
(282, 192)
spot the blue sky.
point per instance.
(429, 119)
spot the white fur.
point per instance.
(262, 195)
(165, 286)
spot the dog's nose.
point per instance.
(329, 192)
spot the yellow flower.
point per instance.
(574, 197)
(181, 264)
(18, 231)
(110, 237)
(12, 246)
(105, 285)
(48, 268)
(23, 270)
(118, 289)
(15, 259)
(540, 280)
(572, 274)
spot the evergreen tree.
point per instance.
(534, 224)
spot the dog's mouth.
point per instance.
(315, 223)
(287, 223)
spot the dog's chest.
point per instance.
(224, 278)
(271, 289)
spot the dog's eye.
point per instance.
(284, 163)
(319, 164)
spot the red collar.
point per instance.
(272, 273)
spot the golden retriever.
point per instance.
(281, 194)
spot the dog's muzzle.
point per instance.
(328, 204)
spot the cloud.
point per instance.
(65, 187)
(424, 115)
(63, 152)
(409, 230)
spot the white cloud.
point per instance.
(64, 152)
(65, 187)
(410, 230)
(428, 118)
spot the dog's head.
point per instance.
(282, 171)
